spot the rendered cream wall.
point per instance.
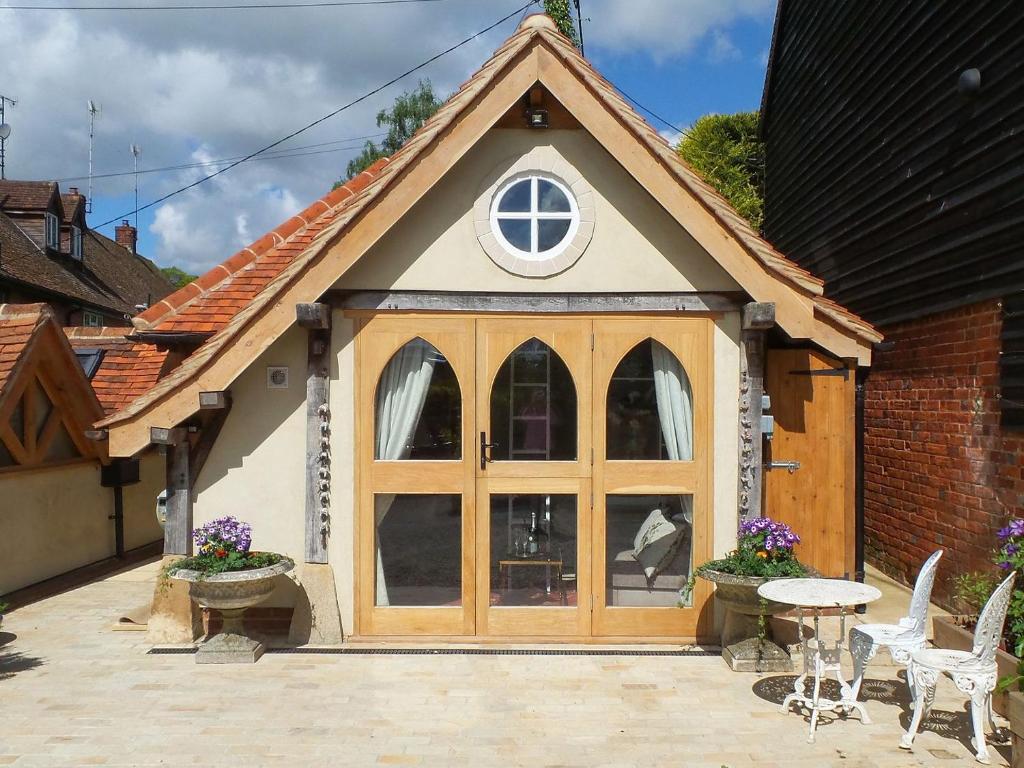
(727, 421)
(636, 245)
(140, 523)
(256, 470)
(52, 521)
(341, 547)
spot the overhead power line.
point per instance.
(326, 117)
(229, 7)
(277, 154)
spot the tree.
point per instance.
(410, 110)
(561, 14)
(727, 152)
(179, 278)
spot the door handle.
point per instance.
(792, 466)
(484, 445)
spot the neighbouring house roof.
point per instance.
(26, 195)
(126, 368)
(109, 277)
(37, 363)
(248, 289)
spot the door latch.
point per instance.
(484, 445)
(792, 466)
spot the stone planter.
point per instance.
(1015, 714)
(231, 593)
(742, 650)
(949, 634)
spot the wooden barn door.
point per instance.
(813, 404)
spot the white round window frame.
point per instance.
(546, 163)
(572, 216)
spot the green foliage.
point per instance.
(410, 110)
(972, 590)
(728, 153)
(3, 607)
(179, 278)
(561, 14)
(210, 565)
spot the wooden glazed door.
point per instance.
(533, 476)
(813, 404)
(652, 474)
(416, 521)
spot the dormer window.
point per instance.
(76, 243)
(52, 225)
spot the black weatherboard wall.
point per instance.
(883, 177)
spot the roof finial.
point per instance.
(538, 21)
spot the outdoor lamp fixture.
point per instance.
(537, 118)
(5, 130)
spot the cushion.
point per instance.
(656, 542)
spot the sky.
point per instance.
(191, 87)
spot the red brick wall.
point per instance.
(938, 470)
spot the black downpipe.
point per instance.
(118, 517)
(858, 556)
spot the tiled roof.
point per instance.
(128, 368)
(26, 195)
(18, 324)
(72, 202)
(226, 298)
(109, 277)
(210, 301)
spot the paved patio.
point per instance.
(75, 693)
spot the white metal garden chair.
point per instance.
(973, 672)
(903, 638)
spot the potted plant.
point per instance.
(225, 575)
(971, 592)
(764, 552)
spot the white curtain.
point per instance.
(675, 411)
(400, 397)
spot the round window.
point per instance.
(534, 217)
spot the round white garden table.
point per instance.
(820, 656)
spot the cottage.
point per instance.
(506, 383)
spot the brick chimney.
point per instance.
(125, 235)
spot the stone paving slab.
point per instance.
(74, 693)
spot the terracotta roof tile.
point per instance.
(128, 369)
(18, 324)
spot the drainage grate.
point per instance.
(349, 651)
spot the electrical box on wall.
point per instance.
(277, 377)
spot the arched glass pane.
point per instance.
(518, 232)
(533, 407)
(550, 199)
(418, 412)
(650, 407)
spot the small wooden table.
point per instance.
(506, 566)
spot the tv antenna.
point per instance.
(136, 150)
(5, 131)
(94, 110)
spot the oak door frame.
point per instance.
(691, 341)
(455, 338)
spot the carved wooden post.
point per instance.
(317, 318)
(757, 319)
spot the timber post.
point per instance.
(317, 619)
(317, 319)
(757, 318)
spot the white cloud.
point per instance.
(664, 29)
(207, 85)
(722, 49)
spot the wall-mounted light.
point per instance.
(537, 118)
